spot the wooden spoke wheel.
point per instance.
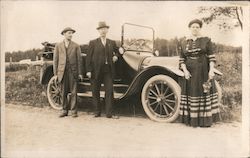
(54, 94)
(161, 98)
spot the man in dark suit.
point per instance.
(68, 69)
(101, 56)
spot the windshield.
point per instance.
(138, 38)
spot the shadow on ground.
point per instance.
(128, 107)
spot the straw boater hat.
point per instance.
(102, 24)
(67, 29)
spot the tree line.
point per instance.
(164, 46)
(170, 47)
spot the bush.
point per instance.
(15, 67)
(229, 114)
(24, 86)
(230, 64)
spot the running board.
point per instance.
(102, 94)
(114, 85)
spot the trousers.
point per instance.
(105, 77)
(69, 85)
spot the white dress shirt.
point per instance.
(66, 43)
(103, 41)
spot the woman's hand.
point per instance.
(187, 74)
(211, 73)
(88, 74)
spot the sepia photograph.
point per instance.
(125, 79)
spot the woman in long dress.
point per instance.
(199, 97)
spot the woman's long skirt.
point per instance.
(198, 108)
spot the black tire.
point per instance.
(160, 98)
(54, 94)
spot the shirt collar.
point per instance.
(103, 39)
(194, 37)
(66, 43)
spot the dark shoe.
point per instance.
(98, 115)
(63, 115)
(112, 116)
(74, 115)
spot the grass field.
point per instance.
(23, 86)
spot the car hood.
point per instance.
(134, 59)
(171, 63)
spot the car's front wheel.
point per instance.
(54, 94)
(161, 98)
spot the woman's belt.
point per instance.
(193, 57)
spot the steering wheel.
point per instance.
(138, 40)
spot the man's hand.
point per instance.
(88, 74)
(115, 58)
(187, 74)
(121, 50)
(80, 77)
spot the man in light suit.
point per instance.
(102, 54)
(67, 69)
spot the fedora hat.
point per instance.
(67, 29)
(102, 24)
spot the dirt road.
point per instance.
(38, 132)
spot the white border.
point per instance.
(245, 83)
(2, 88)
(245, 76)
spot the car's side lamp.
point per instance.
(121, 50)
(157, 53)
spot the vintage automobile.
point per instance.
(139, 70)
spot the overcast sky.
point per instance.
(26, 24)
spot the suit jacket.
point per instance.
(96, 57)
(74, 58)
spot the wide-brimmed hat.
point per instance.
(102, 24)
(67, 29)
(197, 21)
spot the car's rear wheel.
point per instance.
(161, 98)
(54, 94)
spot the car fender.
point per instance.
(148, 72)
(46, 73)
(173, 69)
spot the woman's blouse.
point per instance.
(195, 48)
